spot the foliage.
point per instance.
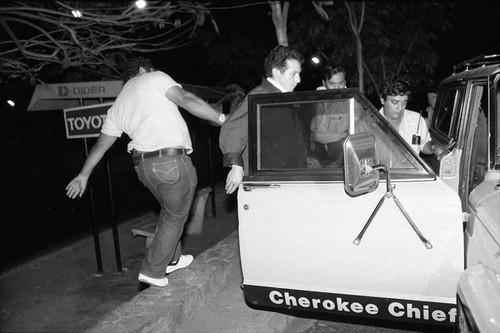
(236, 54)
(42, 36)
(397, 38)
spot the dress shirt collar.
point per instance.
(276, 84)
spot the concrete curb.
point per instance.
(164, 309)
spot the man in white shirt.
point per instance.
(411, 125)
(147, 111)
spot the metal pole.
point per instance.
(95, 228)
(114, 227)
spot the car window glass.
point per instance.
(447, 112)
(479, 148)
(495, 119)
(309, 135)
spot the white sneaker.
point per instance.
(152, 281)
(184, 261)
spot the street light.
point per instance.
(315, 60)
(76, 13)
(140, 4)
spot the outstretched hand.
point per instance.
(77, 186)
(234, 178)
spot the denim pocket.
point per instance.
(167, 172)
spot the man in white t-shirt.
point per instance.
(147, 110)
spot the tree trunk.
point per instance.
(356, 27)
(359, 63)
(280, 15)
(372, 79)
(382, 66)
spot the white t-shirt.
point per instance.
(147, 116)
(412, 123)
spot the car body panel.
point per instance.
(390, 261)
(478, 289)
(476, 111)
(479, 285)
(297, 226)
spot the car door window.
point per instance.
(299, 136)
(447, 113)
(479, 147)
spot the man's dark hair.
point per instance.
(396, 86)
(330, 71)
(277, 58)
(132, 65)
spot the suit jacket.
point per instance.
(276, 128)
(234, 132)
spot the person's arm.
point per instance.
(194, 105)
(232, 142)
(427, 146)
(77, 186)
(432, 147)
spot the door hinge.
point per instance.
(465, 217)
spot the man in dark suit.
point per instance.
(282, 70)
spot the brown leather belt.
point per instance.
(141, 155)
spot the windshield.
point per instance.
(300, 136)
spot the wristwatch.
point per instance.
(222, 118)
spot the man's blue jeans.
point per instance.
(172, 180)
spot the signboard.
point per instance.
(69, 95)
(66, 95)
(85, 121)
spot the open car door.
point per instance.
(369, 231)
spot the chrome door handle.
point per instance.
(251, 187)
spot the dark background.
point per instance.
(38, 161)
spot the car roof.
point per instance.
(468, 74)
(477, 67)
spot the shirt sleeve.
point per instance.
(165, 82)
(425, 136)
(234, 136)
(110, 127)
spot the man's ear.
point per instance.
(142, 70)
(275, 72)
(382, 100)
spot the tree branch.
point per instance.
(34, 34)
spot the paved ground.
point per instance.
(63, 292)
(228, 312)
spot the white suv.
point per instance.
(468, 112)
(315, 234)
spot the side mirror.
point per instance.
(359, 159)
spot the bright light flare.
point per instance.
(140, 4)
(315, 60)
(11, 103)
(76, 13)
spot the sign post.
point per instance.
(86, 122)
